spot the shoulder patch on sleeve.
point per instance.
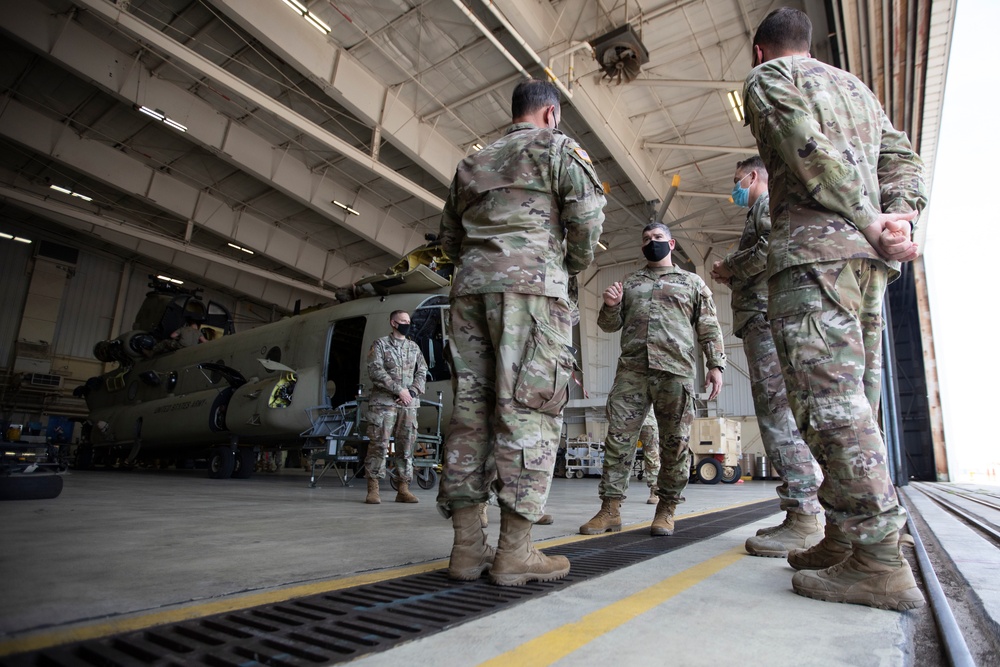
(583, 155)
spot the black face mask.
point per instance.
(654, 251)
(403, 329)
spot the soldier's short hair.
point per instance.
(531, 95)
(752, 163)
(658, 225)
(785, 29)
(396, 313)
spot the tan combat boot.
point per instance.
(785, 523)
(652, 500)
(829, 551)
(470, 555)
(875, 575)
(545, 520)
(608, 518)
(484, 520)
(516, 561)
(663, 521)
(372, 497)
(804, 531)
(403, 494)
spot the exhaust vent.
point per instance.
(620, 54)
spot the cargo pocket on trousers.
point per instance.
(547, 366)
(799, 334)
(539, 458)
(838, 424)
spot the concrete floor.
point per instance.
(117, 549)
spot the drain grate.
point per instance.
(343, 625)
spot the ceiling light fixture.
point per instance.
(170, 280)
(317, 23)
(20, 240)
(239, 247)
(477, 146)
(70, 192)
(6, 236)
(345, 207)
(297, 6)
(304, 12)
(737, 103)
(160, 116)
(601, 246)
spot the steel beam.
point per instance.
(119, 170)
(73, 48)
(254, 282)
(191, 61)
(701, 147)
(346, 80)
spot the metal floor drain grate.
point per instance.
(343, 625)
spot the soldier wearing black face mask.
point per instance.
(663, 312)
(398, 373)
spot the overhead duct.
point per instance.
(620, 54)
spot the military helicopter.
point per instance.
(229, 396)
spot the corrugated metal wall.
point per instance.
(87, 307)
(14, 260)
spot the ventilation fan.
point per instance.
(620, 54)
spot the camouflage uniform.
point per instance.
(649, 436)
(393, 365)
(522, 216)
(783, 444)
(663, 313)
(835, 162)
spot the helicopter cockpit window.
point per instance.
(428, 330)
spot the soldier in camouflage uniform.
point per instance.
(522, 216)
(744, 271)
(845, 188)
(398, 374)
(663, 312)
(649, 436)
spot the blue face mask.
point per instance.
(741, 195)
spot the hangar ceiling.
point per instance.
(321, 135)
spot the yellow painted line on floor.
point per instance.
(557, 644)
(39, 641)
(195, 611)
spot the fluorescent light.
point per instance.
(175, 124)
(296, 6)
(83, 197)
(318, 21)
(20, 240)
(239, 247)
(601, 246)
(158, 115)
(171, 280)
(62, 190)
(737, 104)
(6, 236)
(477, 146)
(345, 207)
(319, 25)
